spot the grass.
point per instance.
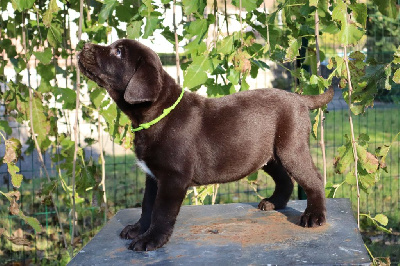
(125, 187)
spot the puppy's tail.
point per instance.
(317, 101)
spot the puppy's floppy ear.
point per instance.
(145, 84)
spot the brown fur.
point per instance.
(205, 141)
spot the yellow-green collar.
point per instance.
(164, 114)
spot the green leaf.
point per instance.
(252, 177)
(31, 221)
(225, 46)
(396, 76)
(48, 188)
(382, 152)
(311, 60)
(195, 48)
(45, 86)
(148, 7)
(68, 97)
(196, 73)
(359, 13)
(97, 96)
(357, 108)
(330, 189)
(340, 66)
(381, 228)
(382, 219)
(106, 10)
(47, 72)
(365, 179)
(387, 7)
(41, 124)
(34, 223)
(116, 120)
(5, 127)
(396, 59)
(16, 179)
(152, 23)
(54, 35)
(198, 27)
(367, 160)
(170, 36)
(22, 5)
(125, 12)
(233, 76)
(349, 33)
(345, 157)
(48, 15)
(7, 45)
(316, 123)
(330, 28)
(216, 90)
(19, 64)
(244, 86)
(293, 50)
(314, 3)
(363, 140)
(351, 178)
(45, 56)
(194, 6)
(134, 29)
(340, 12)
(249, 5)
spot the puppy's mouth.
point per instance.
(83, 66)
(85, 70)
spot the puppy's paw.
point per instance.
(312, 218)
(266, 205)
(269, 204)
(131, 231)
(148, 242)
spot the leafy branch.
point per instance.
(12, 154)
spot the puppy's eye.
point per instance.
(118, 52)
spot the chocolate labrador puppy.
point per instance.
(204, 141)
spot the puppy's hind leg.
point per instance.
(283, 187)
(300, 165)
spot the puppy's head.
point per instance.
(126, 66)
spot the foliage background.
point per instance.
(39, 41)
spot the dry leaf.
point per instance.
(14, 207)
(19, 241)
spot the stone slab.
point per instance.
(236, 234)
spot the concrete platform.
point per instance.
(236, 234)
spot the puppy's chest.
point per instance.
(142, 165)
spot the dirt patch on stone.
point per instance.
(273, 228)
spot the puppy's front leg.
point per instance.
(133, 230)
(169, 198)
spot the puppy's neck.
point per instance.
(169, 93)
(147, 111)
